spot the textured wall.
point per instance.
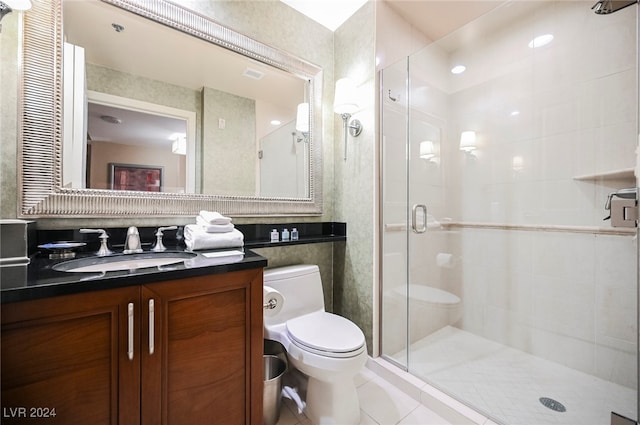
(320, 254)
(228, 154)
(9, 41)
(355, 177)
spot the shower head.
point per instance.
(604, 7)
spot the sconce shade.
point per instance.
(18, 4)
(427, 150)
(302, 118)
(179, 146)
(345, 100)
(468, 141)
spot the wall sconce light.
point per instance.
(302, 121)
(7, 6)
(179, 145)
(427, 150)
(346, 103)
(517, 163)
(468, 141)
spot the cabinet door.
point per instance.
(206, 363)
(68, 356)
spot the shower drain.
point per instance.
(552, 404)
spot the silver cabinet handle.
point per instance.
(414, 218)
(151, 326)
(130, 336)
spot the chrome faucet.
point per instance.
(104, 248)
(159, 246)
(132, 243)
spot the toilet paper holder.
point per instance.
(271, 304)
(623, 208)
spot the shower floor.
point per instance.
(507, 384)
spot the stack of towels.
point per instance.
(212, 231)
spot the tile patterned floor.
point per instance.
(504, 383)
(507, 383)
(380, 404)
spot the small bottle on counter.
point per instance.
(275, 237)
(285, 235)
(294, 234)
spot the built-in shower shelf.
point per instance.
(624, 174)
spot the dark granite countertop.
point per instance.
(38, 279)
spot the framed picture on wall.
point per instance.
(146, 178)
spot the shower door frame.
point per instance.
(381, 225)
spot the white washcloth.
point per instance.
(214, 228)
(195, 237)
(213, 217)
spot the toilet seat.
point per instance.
(326, 334)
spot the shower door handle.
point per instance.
(414, 218)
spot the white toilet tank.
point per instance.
(301, 287)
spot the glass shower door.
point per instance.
(394, 215)
(412, 202)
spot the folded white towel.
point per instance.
(195, 237)
(214, 228)
(213, 217)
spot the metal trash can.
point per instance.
(273, 369)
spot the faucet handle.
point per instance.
(159, 246)
(104, 248)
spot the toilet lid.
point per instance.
(326, 334)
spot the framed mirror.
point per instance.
(208, 152)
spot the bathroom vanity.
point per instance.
(178, 346)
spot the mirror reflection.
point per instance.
(140, 97)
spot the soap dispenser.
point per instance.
(294, 234)
(275, 237)
(285, 235)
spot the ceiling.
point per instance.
(434, 18)
(437, 18)
(330, 13)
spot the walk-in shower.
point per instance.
(501, 283)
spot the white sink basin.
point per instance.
(123, 262)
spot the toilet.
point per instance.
(329, 349)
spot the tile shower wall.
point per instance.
(569, 298)
(544, 117)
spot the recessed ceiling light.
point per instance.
(515, 113)
(275, 122)
(541, 40)
(458, 69)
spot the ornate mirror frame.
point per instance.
(40, 125)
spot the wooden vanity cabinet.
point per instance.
(192, 353)
(65, 360)
(205, 366)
